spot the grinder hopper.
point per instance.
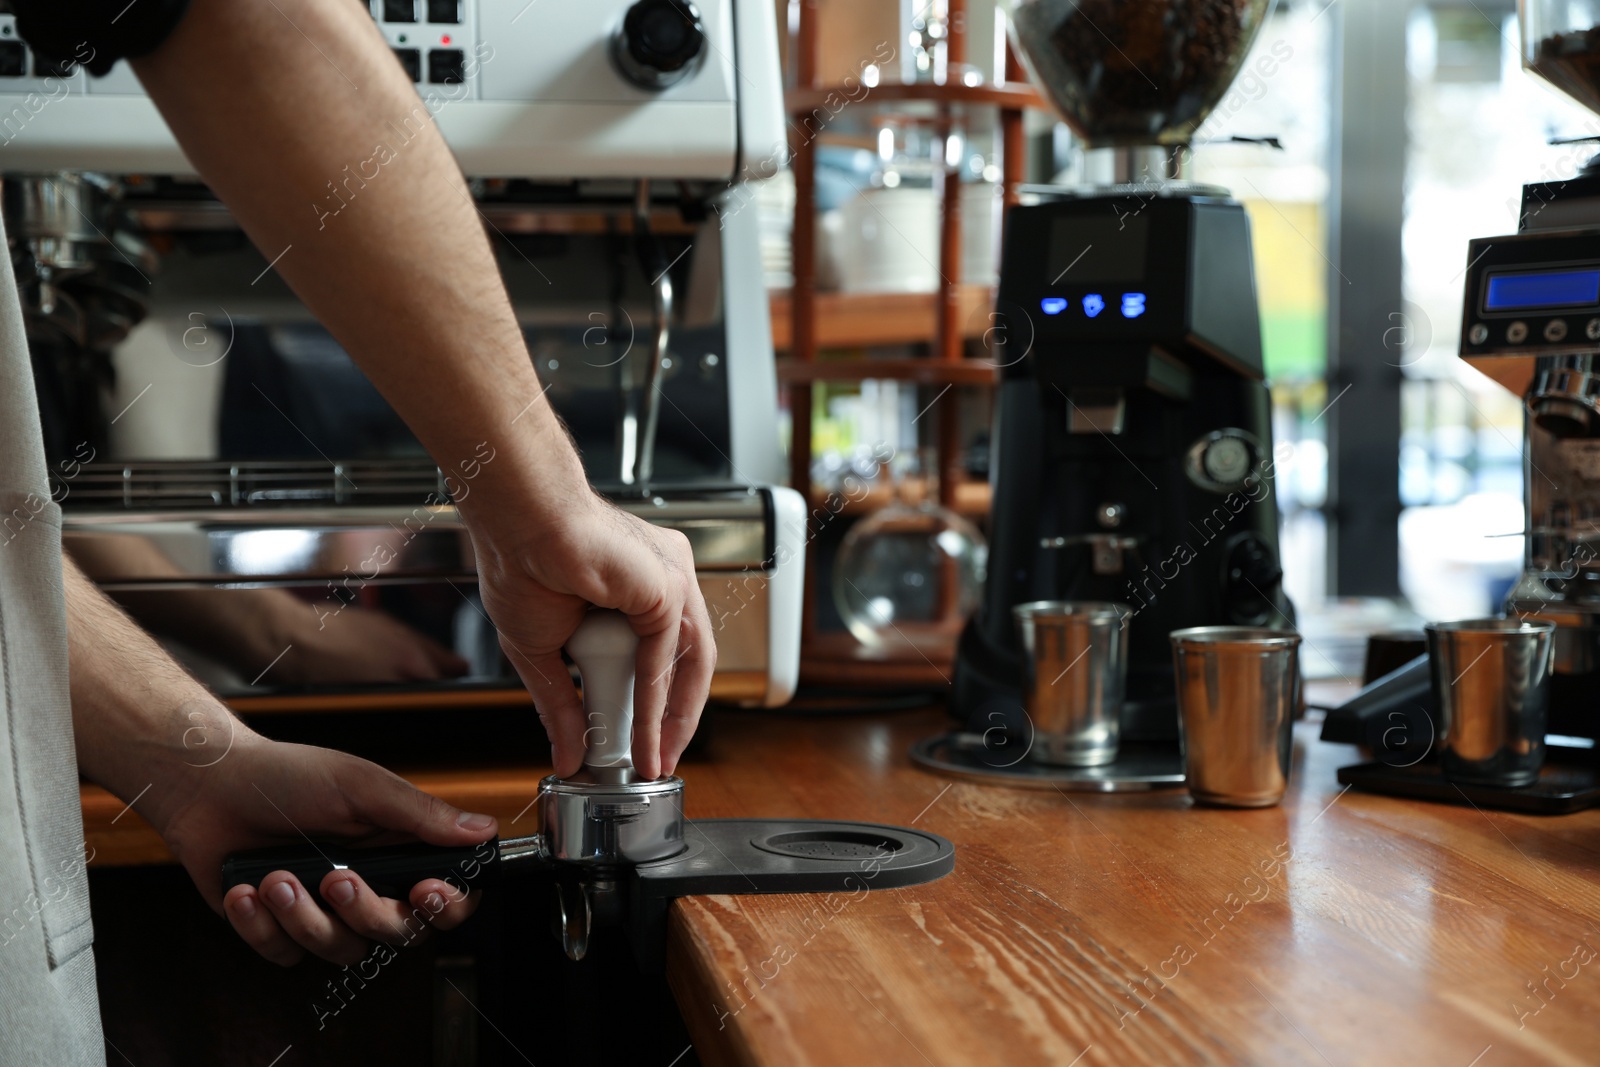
(1141, 73)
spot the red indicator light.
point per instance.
(445, 39)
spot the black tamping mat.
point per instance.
(1568, 782)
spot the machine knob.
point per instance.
(1250, 581)
(1227, 461)
(603, 648)
(660, 43)
(1222, 460)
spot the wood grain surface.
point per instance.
(1079, 929)
(1339, 929)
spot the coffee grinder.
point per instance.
(1133, 429)
(1531, 321)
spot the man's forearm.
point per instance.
(291, 108)
(141, 723)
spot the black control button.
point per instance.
(411, 60)
(661, 42)
(399, 10)
(444, 10)
(445, 66)
(53, 68)
(1251, 581)
(13, 59)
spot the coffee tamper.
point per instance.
(605, 816)
(615, 847)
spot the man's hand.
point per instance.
(266, 792)
(405, 280)
(356, 645)
(536, 588)
(209, 785)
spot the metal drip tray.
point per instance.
(1139, 766)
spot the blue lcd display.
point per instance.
(1548, 289)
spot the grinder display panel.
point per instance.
(1532, 292)
(1542, 289)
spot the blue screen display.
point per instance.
(1514, 292)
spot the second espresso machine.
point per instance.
(1134, 456)
(229, 475)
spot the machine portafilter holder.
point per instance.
(616, 848)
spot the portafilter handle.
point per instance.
(603, 648)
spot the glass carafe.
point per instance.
(910, 567)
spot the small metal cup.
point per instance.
(1077, 672)
(1237, 691)
(1491, 686)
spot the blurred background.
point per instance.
(1401, 486)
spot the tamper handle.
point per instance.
(603, 648)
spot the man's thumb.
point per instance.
(390, 801)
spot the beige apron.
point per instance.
(48, 1010)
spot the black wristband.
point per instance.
(96, 33)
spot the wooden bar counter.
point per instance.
(1338, 929)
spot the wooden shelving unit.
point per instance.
(940, 98)
(866, 320)
(921, 371)
(971, 499)
(808, 321)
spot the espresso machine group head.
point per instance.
(1134, 458)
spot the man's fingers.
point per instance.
(307, 924)
(449, 664)
(372, 916)
(449, 905)
(282, 922)
(556, 699)
(660, 648)
(691, 684)
(653, 676)
(254, 923)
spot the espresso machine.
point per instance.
(1133, 446)
(220, 460)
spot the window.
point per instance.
(1283, 91)
(1478, 128)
